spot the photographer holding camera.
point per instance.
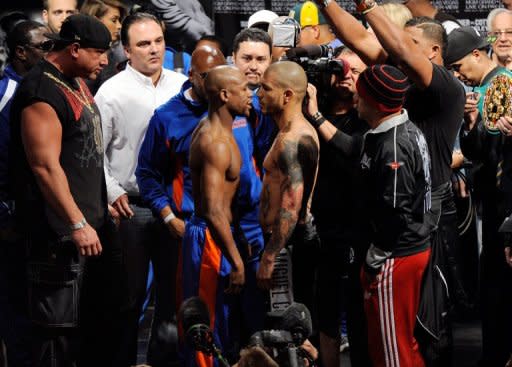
(334, 203)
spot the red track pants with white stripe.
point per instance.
(391, 302)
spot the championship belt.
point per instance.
(497, 102)
(281, 294)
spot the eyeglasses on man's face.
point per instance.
(494, 35)
(44, 46)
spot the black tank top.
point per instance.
(81, 149)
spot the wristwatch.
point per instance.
(79, 225)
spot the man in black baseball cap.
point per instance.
(83, 29)
(59, 182)
(466, 55)
(86, 40)
(485, 117)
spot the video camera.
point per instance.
(285, 32)
(283, 342)
(319, 64)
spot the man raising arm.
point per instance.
(435, 103)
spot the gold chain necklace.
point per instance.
(82, 98)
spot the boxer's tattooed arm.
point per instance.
(296, 170)
(265, 201)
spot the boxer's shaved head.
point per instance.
(284, 83)
(226, 85)
(288, 75)
(223, 77)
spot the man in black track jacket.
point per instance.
(395, 166)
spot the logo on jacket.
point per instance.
(394, 165)
(239, 122)
(366, 162)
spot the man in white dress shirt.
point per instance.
(126, 103)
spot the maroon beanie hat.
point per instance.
(384, 87)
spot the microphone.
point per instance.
(195, 320)
(296, 319)
(194, 311)
(309, 51)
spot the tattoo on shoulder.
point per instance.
(299, 159)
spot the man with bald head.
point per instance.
(163, 174)
(213, 257)
(290, 174)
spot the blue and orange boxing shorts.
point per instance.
(204, 272)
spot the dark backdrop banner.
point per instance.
(231, 15)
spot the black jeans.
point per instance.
(55, 273)
(145, 238)
(444, 213)
(305, 247)
(73, 301)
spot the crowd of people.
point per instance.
(134, 172)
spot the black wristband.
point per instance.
(320, 121)
(317, 119)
